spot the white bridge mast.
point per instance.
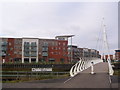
(105, 42)
(85, 63)
(106, 49)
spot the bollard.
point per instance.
(92, 69)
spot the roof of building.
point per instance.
(117, 50)
(67, 36)
(72, 46)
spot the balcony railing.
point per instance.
(44, 49)
(33, 45)
(45, 44)
(4, 48)
(25, 50)
(26, 45)
(4, 43)
(33, 55)
(2, 54)
(44, 54)
(27, 55)
(34, 49)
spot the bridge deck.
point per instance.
(98, 68)
(82, 80)
(86, 80)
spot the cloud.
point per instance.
(49, 19)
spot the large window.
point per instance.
(26, 59)
(62, 59)
(33, 59)
(51, 59)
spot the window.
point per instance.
(56, 53)
(51, 52)
(26, 59)
(59, 48)
(20, 53)
(26, 42)
(11, 49)
(33, 59)
(33, 44)
(9, 44)
(44, 54)
(53, 43)
(56, 43)
(63, 48)
(63, 44)
(56, 48)
(62, 59)
(52, 48)
(16, 42)
(52, 60)
(45, 44)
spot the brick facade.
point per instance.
(42, 50)
(117, 54)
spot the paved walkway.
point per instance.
(82, 80)
(85, 80)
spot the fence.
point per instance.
(17, 75)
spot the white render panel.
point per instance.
(30, 40)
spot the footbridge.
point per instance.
(90, 73)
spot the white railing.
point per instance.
(83, 64)
(110, 68)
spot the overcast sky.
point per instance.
(49, 19)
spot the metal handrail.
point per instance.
(111, 71)
(83, 64)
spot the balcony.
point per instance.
(45, 49)
(3, 54)
(26, 50)
(44, 54)
(26, 45)
(33, 55)
(33, 45)
(34, 49)
(4, 49)
(4, 43)
(26, 55)
(45, 45)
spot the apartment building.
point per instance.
(34, 50)
(52, 50)
(4, 48)
(27, 50)
(117, 54)
(75, 53)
